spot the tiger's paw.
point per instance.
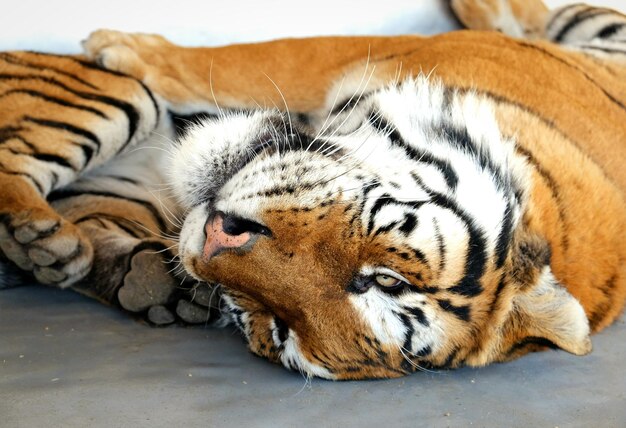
(149, 287)
(118, 51)
(149, 58)
(516, 18)
(41, 242)
(101, 39)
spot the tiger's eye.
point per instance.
(387, 281)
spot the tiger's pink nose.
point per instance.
(227, 232)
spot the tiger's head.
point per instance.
(383, 238)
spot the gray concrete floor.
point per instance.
(67, 361)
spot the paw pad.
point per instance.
(148, 283)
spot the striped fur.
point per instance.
(62, 118)
(433, 203)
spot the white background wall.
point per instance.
(59, 25)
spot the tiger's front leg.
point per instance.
(60, 116)
(288, 74)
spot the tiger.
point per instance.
(358, 207)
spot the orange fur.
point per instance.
(565, 110)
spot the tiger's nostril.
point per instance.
(230, 232)
(234, 226)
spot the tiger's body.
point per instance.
(392, 222)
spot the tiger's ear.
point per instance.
(546, 314)
(541, 311)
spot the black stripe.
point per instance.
(504, 237)
(440, 245)
(610, 30)
(601, 310)
(367, 189)
(554, 190)
(9, 137)
(54, 100)
(560, 13)
(409, 224)
(497, 294)
(182, 122)
(155, 105)
(384, 127)
(578, 19)
(419, 315)
(449, 362)
(325, 361)
(54, 178)
(532, 340)
(387, 199)
(350, 103)
(604, 49)
(408, 334)
(540, 117)
(87, 152)
(59, 160)
(461, 312)
(94, 66)
(427, 350)
(419, 255)
(460, 138)
(131, 113)
(38, 185)
(12, 59)
(476, 258)
(44, 157)
(524, 107)
(71, 193)
(9, 132)
(387, 228)
(66, 127)
(382, 201)
(283, 190)
(547, 122)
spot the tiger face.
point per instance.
(384, 238)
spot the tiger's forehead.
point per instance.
(297, 180)
(341, 169)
